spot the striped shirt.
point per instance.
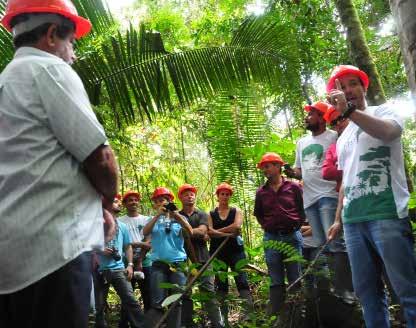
(49, 212)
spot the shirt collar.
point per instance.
(32, 51)
(196, 211)
(267, 184)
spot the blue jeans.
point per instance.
(372, 245)
(61, 299)
(161, 272)
(321, 215)
(274, 259)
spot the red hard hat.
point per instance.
(61, 7)
(162, 191)
(320, 106)
(118, 196)
(331, 115)
(341, 70)
(131, 193)
(186, 187)
(270, 158)
(224, 186)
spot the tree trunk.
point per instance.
(359, 51)
(404, 12)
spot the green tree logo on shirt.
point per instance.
(372, 194)
(312, 157)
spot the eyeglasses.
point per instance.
(335, 122)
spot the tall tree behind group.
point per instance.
(359, 51)
(404, 12)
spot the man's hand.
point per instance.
(337, 98)
(306, 231)
(206, 237)
(129, 271)
(145, 245)
(110, 226)
(334, 230)
(290, 172)
(107, 251)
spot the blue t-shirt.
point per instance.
(167, 246)
(120, 241)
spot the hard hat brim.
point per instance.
(361, 75)
(82, 25)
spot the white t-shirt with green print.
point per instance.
(310, 155)
(374, 180)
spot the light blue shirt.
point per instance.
(49, 211)
(120, 241)
(167, 246)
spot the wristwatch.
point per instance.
(350, 109)
(130, 264)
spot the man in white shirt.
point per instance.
(140, 243)
(373, 199)
(55, 170)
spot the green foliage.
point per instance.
(412, 200)
(291, 254)
(171, 299)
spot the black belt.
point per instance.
(283, 231)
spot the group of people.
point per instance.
(155, 250)
(352, 180)
(58, 181)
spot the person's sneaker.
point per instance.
(138, 275)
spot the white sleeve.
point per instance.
(340, 158)
(298, 163)
(69, 111)
(387, 112)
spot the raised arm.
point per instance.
(384, 129)
(148, 228)
(187, 228)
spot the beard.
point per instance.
(312, 127)
(116, 210)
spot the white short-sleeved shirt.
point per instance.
(374, 180)
(310, 155)
(49, 211)
(135, 225)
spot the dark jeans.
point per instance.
(61, 299)
(240, 279)
(161, 272)
(144, 286)
(207, 291)
(124, 290)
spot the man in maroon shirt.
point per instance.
(279, 210)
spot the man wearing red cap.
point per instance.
(55, 168)
(319, 195)
(199, 221)
(140, 243)
(373, 199)
(279, 210)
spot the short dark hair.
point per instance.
(32, 37)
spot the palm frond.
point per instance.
(260, 52)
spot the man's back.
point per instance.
(49, 211)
